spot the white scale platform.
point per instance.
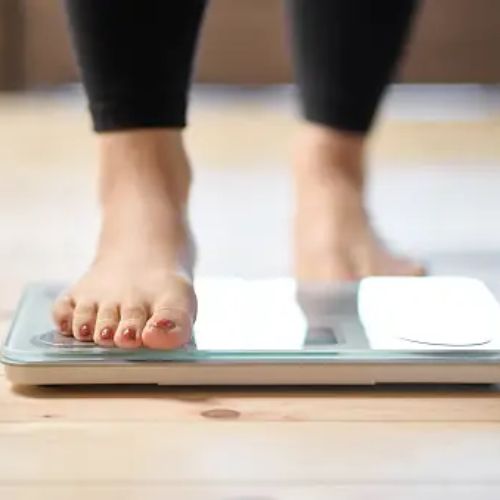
(273, 332)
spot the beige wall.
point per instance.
(244, 41)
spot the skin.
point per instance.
(329, 182)
(138, 290)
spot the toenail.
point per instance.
(106, 333)
(130, 333)
(63, 326)
(168, 324)
(84, 330)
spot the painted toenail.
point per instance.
(84, 330)
(167, 324)
(63, 326)
(106, 333)
(130, 333)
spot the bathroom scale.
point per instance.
(279, 332)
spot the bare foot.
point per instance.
(334, 240)
(138, 291)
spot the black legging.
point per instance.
(136, 57)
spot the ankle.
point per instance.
(152, 159)
(330, 153)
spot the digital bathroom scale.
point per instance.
(275, 332)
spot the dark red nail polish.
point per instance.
(106, 333)
(63, 326)
(130, 333)
(165, 323)
(84, 331)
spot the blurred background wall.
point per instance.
(244, 42)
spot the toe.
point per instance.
(84, 317)
(62, 312)
(168, 328)
(106, 324)
(418, 269)
(406, 267)
(132, 321)
(171, 323)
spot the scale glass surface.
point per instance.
(275, 332)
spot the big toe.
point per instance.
(168, 328)
(171, 323)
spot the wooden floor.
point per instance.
(435, 192)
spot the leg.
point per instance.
(135, 59)
(345, 52)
